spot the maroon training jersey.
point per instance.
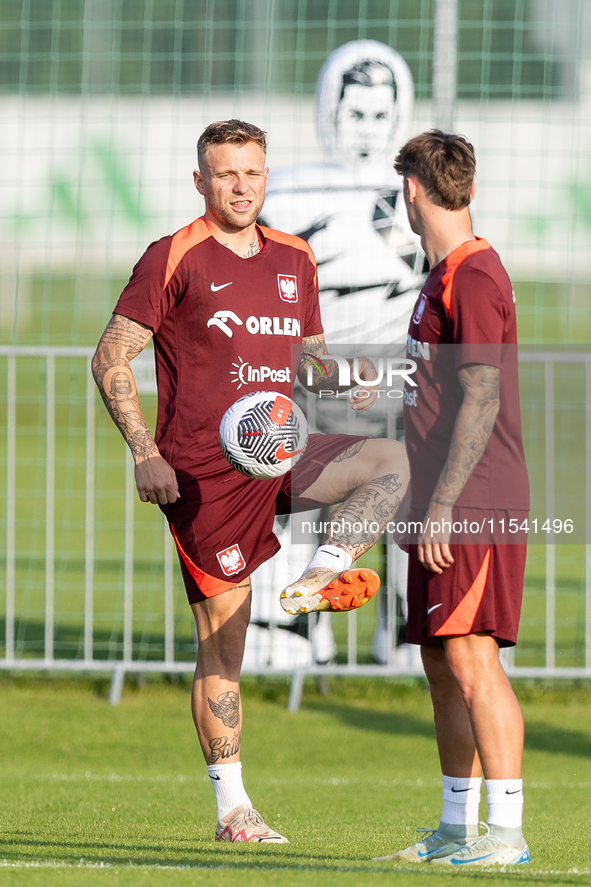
(464, 314)
(223, 326)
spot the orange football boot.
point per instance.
(345, 591)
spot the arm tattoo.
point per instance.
(121, 332)
(325, 372)
(227, 708)
(123, 340)
(349, 452)
(223, 747)
(474, 424)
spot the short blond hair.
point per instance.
(237, 132)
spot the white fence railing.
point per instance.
(127, 659)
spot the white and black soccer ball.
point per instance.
(263, 434)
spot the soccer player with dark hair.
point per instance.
(469, 484)
(221, 293)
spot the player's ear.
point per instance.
(198, 179)
(472, 191)
(411, 188)
(266, 172)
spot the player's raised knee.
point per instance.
(382, 456)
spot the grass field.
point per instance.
(96, 795)
(92, 794)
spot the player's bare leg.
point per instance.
(455, 740)
(497, 731)
(477, 719)
(493, 710)
(221, 630)
(369, 479)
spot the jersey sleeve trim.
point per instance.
(188, 237)
(293, 241)
(453, 262)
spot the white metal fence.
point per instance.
(86, 660)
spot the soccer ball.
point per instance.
(263, 434)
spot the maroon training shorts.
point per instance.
(223, 523)
(481, 591)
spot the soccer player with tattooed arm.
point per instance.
(469, 484)
(222, 292)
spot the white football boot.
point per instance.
(446, 839)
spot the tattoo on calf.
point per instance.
(223, 747)
(227, 708)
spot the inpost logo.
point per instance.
(245, 372)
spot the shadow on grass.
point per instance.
(380, 721)
(239, 857)
(539, 736)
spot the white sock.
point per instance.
(226, 780)
(461, 799)
(505, 802)
(330, 557)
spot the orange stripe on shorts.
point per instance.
(461, 620)
(208, 585)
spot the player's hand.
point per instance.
(156, 481)
(433, 547)
(365, 397)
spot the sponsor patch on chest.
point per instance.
(231, 560)
(288, 287)
(416, 318)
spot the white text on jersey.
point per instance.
(417, 349)
(410, 398)
(246, 373)
(263, 326)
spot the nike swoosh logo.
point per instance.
(281, 453)
(215, 288)
(516, 792)
(430, 609)
(214, 777)
(474, 859)
(428, 853)
(456, 790)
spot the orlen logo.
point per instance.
(262, 326)
(221, 318)
(246, 373)
(288, 287)
(231, 560)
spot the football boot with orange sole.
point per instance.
(324, 590)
